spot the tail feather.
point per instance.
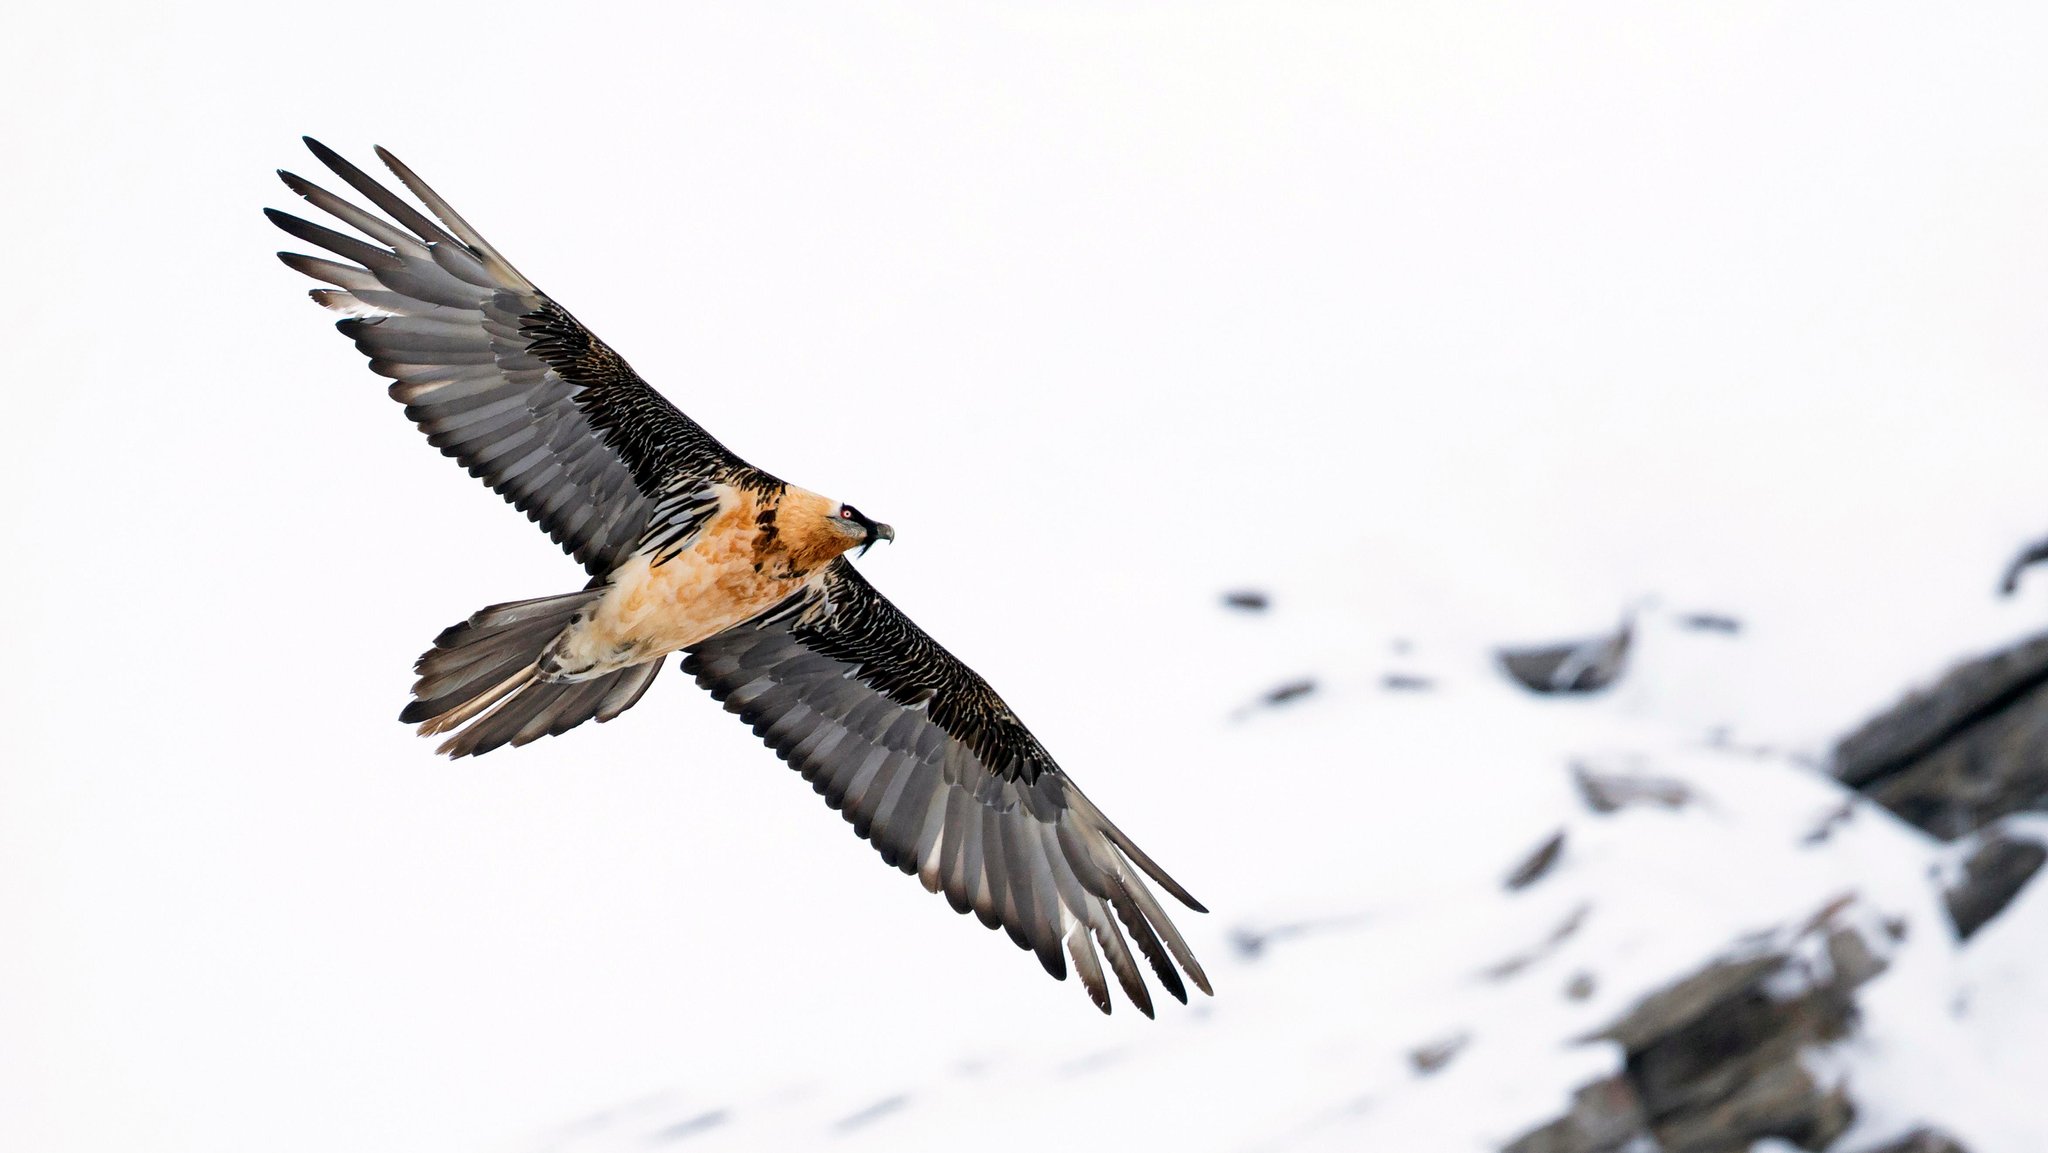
(482, 682)
(476, 706)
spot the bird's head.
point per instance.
(863, 531)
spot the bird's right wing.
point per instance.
(502, 378)
(926, 761)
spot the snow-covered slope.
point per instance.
(1382, 937)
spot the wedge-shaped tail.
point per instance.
(482, 682)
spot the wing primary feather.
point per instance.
(979, 877)
(1031, 876)
(1148, 941)
(973, 863)
(367, 223)
(885, 825)
(458, 261)
(927, 853)
(1093, 864)
(957, 871)
(1121, 962)
(846, 790)
(877, 826)
(330, 271)
(1130, 849)
(453, 219)
(1148, 908)
(378, 195)
(1088, 966)
(340, 243)
(996, 857)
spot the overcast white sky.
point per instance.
(1507, 316)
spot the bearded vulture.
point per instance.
(690, 549)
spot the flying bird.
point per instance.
(691, 550)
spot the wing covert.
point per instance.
(928, 763)
(502, 378)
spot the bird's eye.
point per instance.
(846, 512)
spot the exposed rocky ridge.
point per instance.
(1967, 750)
(1957, 757)
(1717, 1060)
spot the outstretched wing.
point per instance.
(928, 762)
(502, 378)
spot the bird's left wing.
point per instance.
(501, 377)
(928, 762)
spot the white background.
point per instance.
(1500, 319)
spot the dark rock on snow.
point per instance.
(1429, 1058)
(1605, 1117)
(1612, 791)
(2034, 554)
(1923, 1141)
(1714, 1061)
(1971, 748)
(1581, 666)
(1247, 600)
(1993, 874)
(1537, 863)
(1280, 694)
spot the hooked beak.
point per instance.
(879, 532)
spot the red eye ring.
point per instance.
(846, 512)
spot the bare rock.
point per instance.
(1923, 1141)
(1429, 1058)
(1711, 623)
(2031, 555)
(1782, 1101)
(1715, 1061)
(1537, 864)
(1286, 692)
(1851, 957)
(1969, 749)
(1669, 1010)
(1581, 666)
(1610, 792)
(1514, 964)
(1605, 1117)
(1993, 874)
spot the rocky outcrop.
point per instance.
(1716, 1060)
(1998, 867)
(2033, 554)
(1923, 1141)
(1537, 864)
(1957, 757)
(1612, 790)
(1605, 1117)
(1969, 749)
(1580, 666)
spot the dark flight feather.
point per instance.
(947, 782)
(502, 378)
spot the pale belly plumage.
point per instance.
(729, 575)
